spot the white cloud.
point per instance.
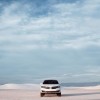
(82, 75)
(75, 19)
(23, 37)
(94, 70)
(90, 7)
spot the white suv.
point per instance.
(50, 86)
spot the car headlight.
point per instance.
(45, 87)
(55, 87)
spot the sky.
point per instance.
(49, 39)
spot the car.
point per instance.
(50, 87)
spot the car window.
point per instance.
(50, 82)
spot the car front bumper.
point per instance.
(51, 91)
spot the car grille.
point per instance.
(55, 87)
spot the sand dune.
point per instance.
(31, 92)
(20, 86)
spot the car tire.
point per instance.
(42, 94)
(59, 94)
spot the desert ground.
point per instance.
(34, 94)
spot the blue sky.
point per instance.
(42, 39)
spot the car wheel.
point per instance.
(42, 94)
(59, 94)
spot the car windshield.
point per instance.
(50, 82)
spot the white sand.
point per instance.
(22, 92)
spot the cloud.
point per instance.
(74, 77)
(95, 71)
(65, 25)
(64, 20)
(91, 7)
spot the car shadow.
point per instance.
(51, 95)
(79, 94)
